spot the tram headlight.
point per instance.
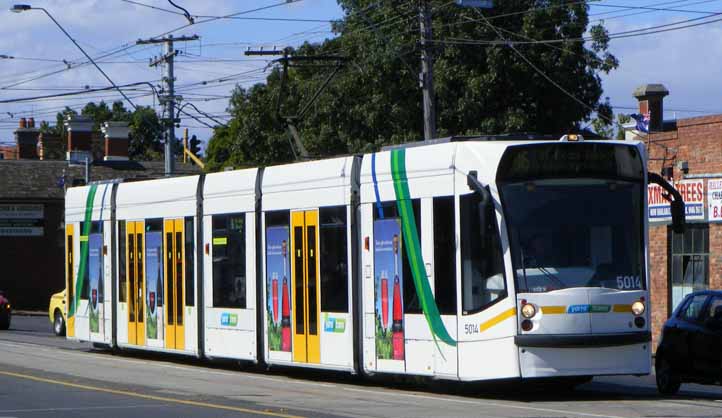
(528, 310)
(638, 308)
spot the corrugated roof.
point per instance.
(35, 179)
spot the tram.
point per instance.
(462, 258)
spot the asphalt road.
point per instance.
(42, 375)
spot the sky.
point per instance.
(686, 61)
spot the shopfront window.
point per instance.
(688, 261)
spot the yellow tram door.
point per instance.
(69, 282)
(135, 274)
(305, 274)
(174, 272)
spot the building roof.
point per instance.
(36, 179)
(650, 90)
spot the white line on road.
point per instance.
(162, 363)
(82, 408)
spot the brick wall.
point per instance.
(658, 292)
(699, 142)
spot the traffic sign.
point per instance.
(481, 4)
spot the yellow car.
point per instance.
(56, 312)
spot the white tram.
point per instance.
(462, 258)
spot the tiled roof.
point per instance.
(36, 179)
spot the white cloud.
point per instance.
(685, 61)
(104, 25)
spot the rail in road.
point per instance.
(42, 374)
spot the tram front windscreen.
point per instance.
(574, 221)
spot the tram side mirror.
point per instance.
(484, 203)
(677, 205)
(678, 222)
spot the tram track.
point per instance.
(183, 379)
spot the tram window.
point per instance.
(229, 261)
(189, 259)
(278, 218)
(482, 266)
(95, 228)
(334, 259)
(122, 288)
(390, 210)
(444, 255)
(154, 258)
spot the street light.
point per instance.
(19, 8)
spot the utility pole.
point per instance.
(168, 99)
(427, 71)
(185, 145)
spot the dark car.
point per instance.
(691, 346)
(5, 311)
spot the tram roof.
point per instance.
(512, 137)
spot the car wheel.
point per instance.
(5, 322)
(668, 381)
(58, 324)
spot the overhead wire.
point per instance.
(137, 3)
(617, 35)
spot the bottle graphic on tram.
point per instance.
(285, 307)
(274, 289)
(397, 327)
(384, 302)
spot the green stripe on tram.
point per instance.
(413, 249)
(83, 249)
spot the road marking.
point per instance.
(144, 396)
(80, 408)
(165, 364)
(484, 403)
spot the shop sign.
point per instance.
(22, 220)
(21, 212)
(714, 200)
(692, 192)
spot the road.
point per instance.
(42, 376)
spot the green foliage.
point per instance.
(384, 342)
(146, 129)
(93, 320)
(151, 324)
(621, 120)
(274, 333)
(376, 100)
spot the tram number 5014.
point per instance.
(471, 329)
(629, 282)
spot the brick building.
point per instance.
(32, 193)
(688, 152)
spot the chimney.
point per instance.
(26, 138)
(50, 147)
(79, 137)
(116, 141)
(651, 99)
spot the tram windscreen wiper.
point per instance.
(553, 277)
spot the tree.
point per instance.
(146, 133)
(481, 87)
(146, 129)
